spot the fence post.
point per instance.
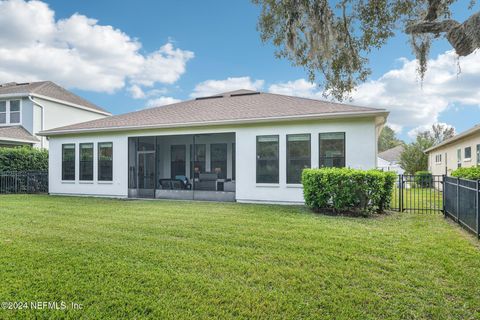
(400, 193)
(478, 208)
(444, 187)
(457, 204)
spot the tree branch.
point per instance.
(464, 38)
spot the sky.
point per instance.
(130, 55)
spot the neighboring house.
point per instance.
(244, 145)
(28, 108)
(462, 150)
(388, 160)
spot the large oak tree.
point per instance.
(334, 38)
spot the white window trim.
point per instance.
(7, 115)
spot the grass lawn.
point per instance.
(424, 198)
(161, 259)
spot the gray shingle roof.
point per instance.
(236, 106)
(16, 133)
(392, 154)
(48, 89)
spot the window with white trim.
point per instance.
(468, 153)
(3, 112)
(14, 111)
(438, 158)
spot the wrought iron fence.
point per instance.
(24, 182)
(462, 198)
(418, 193)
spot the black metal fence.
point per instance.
(24, 182)
(462, 198)
(418, 193)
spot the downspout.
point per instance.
(42, 122)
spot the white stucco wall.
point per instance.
(360, 135)
(59, 115)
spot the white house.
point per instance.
(241, 146)
(388, 160)
(28, 108)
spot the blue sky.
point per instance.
(215, 41)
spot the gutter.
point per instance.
(219, 122)
(42, 122)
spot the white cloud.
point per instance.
(414, 106)
(161, 101)
(299, 88)
(136, 92)
(212, 87)
(77, 52)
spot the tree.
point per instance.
(334, 39)
(413, 158)
(387, 139)
(441, 132)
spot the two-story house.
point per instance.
(28, 108)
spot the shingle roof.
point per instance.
(392, 154)
(236, 106)
(16, 133)
(48, 89)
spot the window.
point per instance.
(234, 163)
(198, 156)
(267, 159)
(478, 154)
(68, 161)
(218, 159)
(3, 112)
(468, 153)
(459, 158)
(177, 160)
(105, 161)
(438, 158)
(298, 156)
(14, 111)
(86, 161)
(332, 149)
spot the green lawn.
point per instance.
(159, 259)
(424, 198)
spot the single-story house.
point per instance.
(30, 107)
(388, 160)
(244, 146)
(462, 150)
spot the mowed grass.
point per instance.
(160, 259)
(419, 198)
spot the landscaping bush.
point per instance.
(23, 159)
(343, 190)
(423, 179)
(472, 173)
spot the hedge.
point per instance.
(344, 190)
(471, 173)
(423, 179)
(23, 159)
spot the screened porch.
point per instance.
(190, 167)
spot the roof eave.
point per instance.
(336, 115)
(453, 139)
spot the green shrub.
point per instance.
(423, 179)
(472, 173)
(23, 159)
(347, 190)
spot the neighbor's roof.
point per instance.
(392, 154)
(464, 134)
(47, 89)
(16, 134)
(241, 106)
